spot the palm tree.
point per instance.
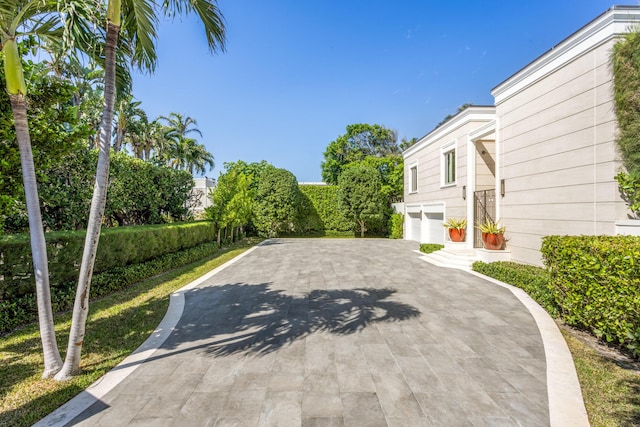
(180, 151)
(144, 137)
(46, 20)
(138, 28)
(128, 113)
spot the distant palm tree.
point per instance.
(180, 151)
(52, 21)
(145, 136)
(137, 21)
(128, 112)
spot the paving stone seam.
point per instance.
(566, 405)
(67, 412)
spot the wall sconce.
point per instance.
(464, 192)
(502, 187)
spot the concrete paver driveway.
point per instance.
(334, 332)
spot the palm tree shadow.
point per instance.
(236, 318)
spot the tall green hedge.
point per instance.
(596, 283)
(119, 247)
(326, 213)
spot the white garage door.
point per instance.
(434, 228)
(414, 227)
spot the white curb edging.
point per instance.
(566, 406)
(74, 407)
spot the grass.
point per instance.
(116, 326)
(427, 248)
(611, 392)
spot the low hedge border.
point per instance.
(23, 310)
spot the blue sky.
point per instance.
(296, 72)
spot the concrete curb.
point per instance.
(566, 406)
(74, 407)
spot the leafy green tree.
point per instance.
(278, 202)
(231, 201)
(391, 170)
(406, 143)
(360, 196)
(128, 113)
(359, 142)
(180, 151)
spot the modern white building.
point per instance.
(202, 189)
(542, 160)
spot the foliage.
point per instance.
(360, 141)
(427, 248)
(360, 197)
(56, 131)
(405, 143)
(324, 215)
(278, 203)
(596, 283)
(629, 186)
(491, 227)
(396, 226)
(232, 205)
(457, 223)
(391, 170)
(119, 322)
(533, 280)
(626, 73)
(139, 193)
(119, 247)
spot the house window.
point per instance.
(414, 179)
(449, 170)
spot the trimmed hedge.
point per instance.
(327, 215)
(396, 223)
(119, 247)
(531, 279)
(22, 310)
(596, 283)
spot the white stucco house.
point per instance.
(203, 187)
(542, 160)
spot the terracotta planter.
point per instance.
(493, 241)
(456, 234)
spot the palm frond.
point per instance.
(139, 26)
(209, 14)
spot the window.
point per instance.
(449, 170)
(414, 179)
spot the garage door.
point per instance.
(435, 230)
(414, 226)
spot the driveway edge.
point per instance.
(92, 394)
(566, 405)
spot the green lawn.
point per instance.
(117, 325)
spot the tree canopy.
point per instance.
(360, 195)
(359, 141)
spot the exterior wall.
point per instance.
(558, 157)
(434, 202)
(202, 188)
(485, 165)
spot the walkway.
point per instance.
(332, 332)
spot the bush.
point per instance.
(533, 280)
(427, 248)
(119, 247)
(396, 223)
(327, 216)
(596, 282)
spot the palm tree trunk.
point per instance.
(81, 306)
(52, 360)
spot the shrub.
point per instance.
(119, 247)
(327, 215)
(596, 282)
(427, 248)
(396, 223)
(21, 310)
(531, 279)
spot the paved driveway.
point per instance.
(332, 332)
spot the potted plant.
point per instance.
(457, 228)
(492, 234)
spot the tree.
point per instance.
(391, 170)
(278, 202)
(360, 141)
(138, 28)
(179, 150)
(128, 113)
(50, 20)
(360, 196)
(404, 144)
